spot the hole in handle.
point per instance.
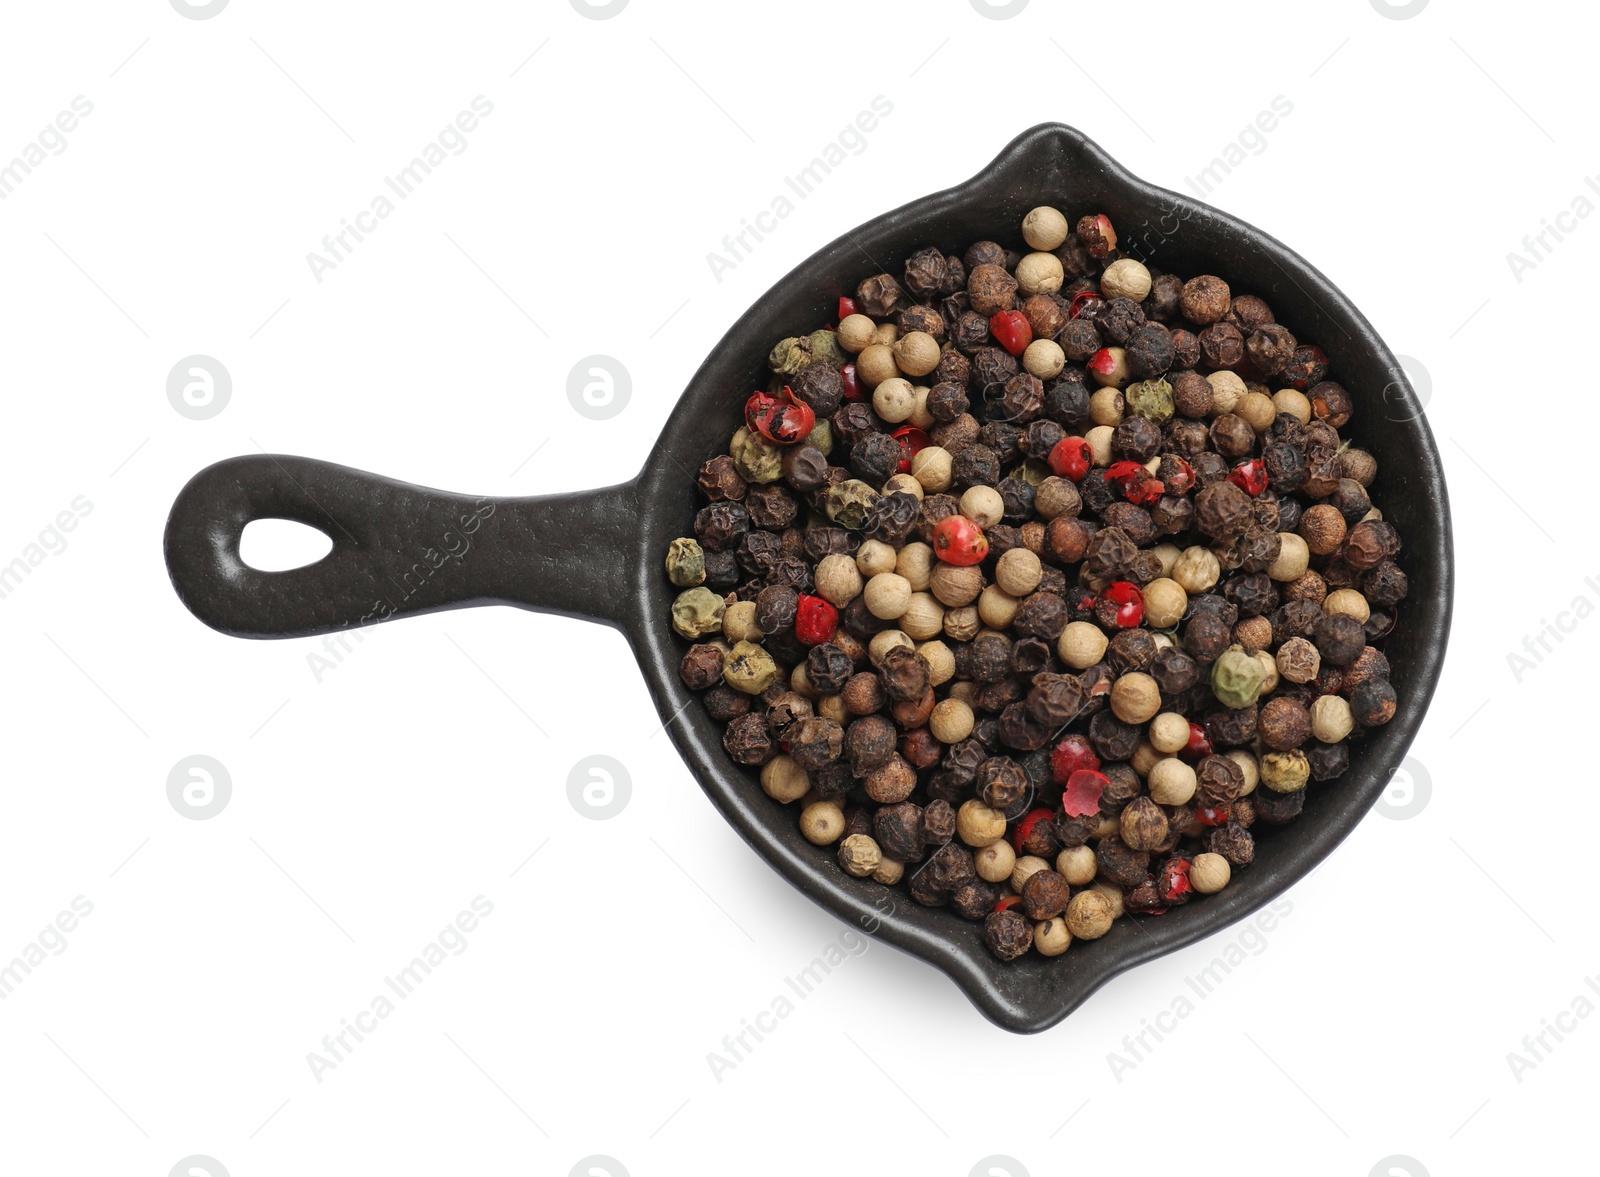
(279, 545)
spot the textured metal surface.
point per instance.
(571, 554)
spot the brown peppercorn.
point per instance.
(1191, 395)
(905, 675)
(898, 831)
(1221, 346)
(723, 703)
(889, 783)
(869, 742)
(1001, 783)
(1323, 528)
(1046, 315)
(880, 296)
(701, 666)
(1143, 824)
(1205, 299)
(1283, 724)
(1232, 436)
(1270, 348)
(1223, 511)
(991, 289)
(1219, 779)
(1330, 403)
(1045, 895)
(719, 481)
(1008, 934)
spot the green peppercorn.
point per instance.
(790, 355)
(821, 436)
(847, 503)
(1151, 399)
(1236, 678)
(686, 563)
(696, 613)
(749, 668)
(1285, 772)
(825, 346)
(755, 458)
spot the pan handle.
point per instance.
(397, 549)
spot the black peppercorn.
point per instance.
(775, 608)
(1373, 702)
(946, 402)
(828, 668)
(1041, 615)
(976, 465)
(1327, 761)
(1119, 319)
(1222, 511)
(869, 742)
(721, 526)
(974, 899)
(1008, 934)
(1174, 670)
(1137, 439)
(719, 481)
(1339, 639)
(723, 703)
(1219, 781)
(1001, 783)
(1233, 842)
(814, 742)
(1221, 346)
(898, 831)
(1119, 863)
(1205, 637)
(748, 740)
(1134, 522)
(1149, 351)
(722, 571)
(1112, 739)
(771, 507)
(1232, 727)
(1277, 809)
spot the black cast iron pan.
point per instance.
(597, 554)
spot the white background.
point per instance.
(371, 806)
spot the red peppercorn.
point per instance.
(1082, 794)
(1071, 754)
(1211, 815)
(1250, 476)
(912, 441)
(1179, 475)
(852, 386)
(1007, 902)
(847, 307)
(958, 540)
(815, 621)
(1071, 457)
(1024, 828)
(1012, 331)
(1199, 745)
(1173, 881)
(779, 418)
(1135, 482)
(1102, 363)
(1080, 300)
(1125, 595)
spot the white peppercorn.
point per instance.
(978, 825)
(889, 872)
(1165, 603)
(1296, 404)
(783, 780)
(995, 862)
(1125, 278)
(1197, 570)
(1027, 866)
(1209, 873)
(838, 577)
(1050, 937)
(1331, 719)
(941, 662)
(956, 585)
(1089, 915)
(1044, 228)
(931, 468)
(887, 595)
(1294, 557)
(1044, 358)
(822, 823)
(1172, 782)
(859, 855)
(1227, 388)
(1099, 439)
(1349, 602)
(1106, 406)
(893, 399)
(885, 641)
(923, 618)
(915, 562)
(983, 505)
(916, 353)
(1018, 572)
(855, 332)
(1169, 733)
(951, 721)
(876, 364)
(997, 608)
(1039, 273)
(1249, 765)
(1082, 644)
(1077, 865)
(1135, 698)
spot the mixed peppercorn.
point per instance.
(1041, 583)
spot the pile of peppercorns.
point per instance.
(1040, 582)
